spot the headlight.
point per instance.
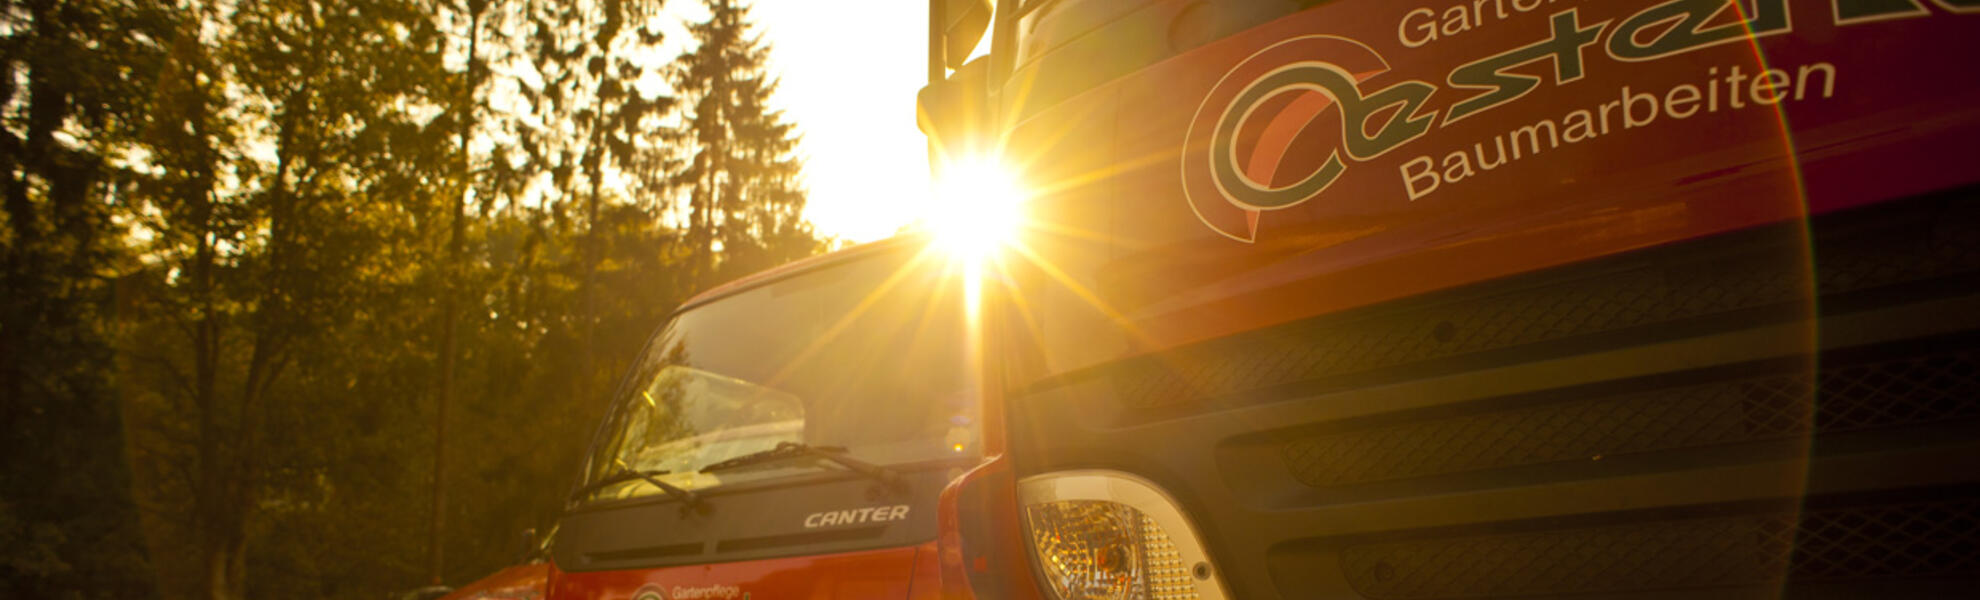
(1102, 535)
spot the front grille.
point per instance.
(1897, 392)
(1940, 539)
(1667, 292)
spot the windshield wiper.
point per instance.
(651, 476)
(793, 451)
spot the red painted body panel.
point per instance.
(885, 573)
(520, 582)
(1126, 215)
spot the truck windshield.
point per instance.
(866, 354)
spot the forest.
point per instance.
(269, 269)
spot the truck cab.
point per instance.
(1355, 299)
(781, 436)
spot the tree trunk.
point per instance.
(223, 562)
(451, 274)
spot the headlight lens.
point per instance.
(1101, 550)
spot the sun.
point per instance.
(977, 210)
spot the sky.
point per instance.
(849, 75)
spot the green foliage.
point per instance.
(242, 239)
(72, 76)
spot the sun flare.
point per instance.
(977, 210)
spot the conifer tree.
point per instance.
(740, 178)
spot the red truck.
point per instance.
(1357, 299)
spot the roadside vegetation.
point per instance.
(260, 259)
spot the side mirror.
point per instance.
(529, 548)
(955, 113)
(964, 22)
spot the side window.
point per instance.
(613, 440)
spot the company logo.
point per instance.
(704, 592)
(1288, 121)
(1272, 133)
(709, 592)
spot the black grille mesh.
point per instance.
(1908, 391)
(1868, 543)
(1647, 296)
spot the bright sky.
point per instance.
(850, 72)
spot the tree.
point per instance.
(594, 147)
(741, 180)
(265, 242)
(248, 241)
(67, 524)
(567, 260)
